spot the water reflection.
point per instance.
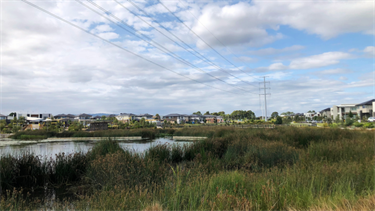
(47, 150)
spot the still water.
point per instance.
(47, 150)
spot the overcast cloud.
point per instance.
(306, 49)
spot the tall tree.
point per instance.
(207, 113)
(197, 113)
(274, 115)
(157, 116)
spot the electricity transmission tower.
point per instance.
(265, 94)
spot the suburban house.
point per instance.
(219, 119)
(196, 118)
(96, 118)
(343, 110)
(174, 118)
(311, 115)
(210, 118)
(3, 117)
(64, 116)
(146, 116)
(84, 119)
(125, 117)
(326, 113)
(366, 109)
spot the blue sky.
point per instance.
(316, 54)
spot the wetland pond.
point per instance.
(49, 149)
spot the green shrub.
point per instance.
(358, 124)
(368, 125)
(103, 147)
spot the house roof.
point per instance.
(327, 109)
(367, 102)
(209, 116)
(2, 115)
(65, 115)
(126, 114)
(171, 115)
(85, 115)
(146, 114)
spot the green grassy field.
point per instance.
(285, 168)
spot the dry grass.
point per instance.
(154, 207)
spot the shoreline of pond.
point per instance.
(9, 141)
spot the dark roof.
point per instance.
(126, 114)
(2, 115)
(146, 114)
(367, 102)
(59, 115)
(170, 115)
(85, 115)
(209, 116)
(65, 115)
(327, 109)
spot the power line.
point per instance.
(109, 42)
(157, 45)
(196, 52)
(199, 36)
(214, 36)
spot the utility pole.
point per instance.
(265, 96)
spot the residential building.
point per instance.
(146, 116)
(366, 109)
(3, 117)
(219, 119)
(84, 119)
(343, 111)
(125, 117)
(210, 118)
(64, 116)
(196, 118)
(326, 113)
(311, 115)
(174, 118)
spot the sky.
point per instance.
(182, 56)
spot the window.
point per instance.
(353, 108)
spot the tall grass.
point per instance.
(252, 169)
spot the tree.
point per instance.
(157, 116)
(279, 120)
(337, 119)
(103, 118)
(350, 114)
(274, 115)
(207, 113)
(142, 122)
(197, 113)
(12, 114)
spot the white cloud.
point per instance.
(320, 60)
(369, 51)
(310, 62)
(272, 51)
(246, 23)
(333, 71)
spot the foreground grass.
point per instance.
(279, 169)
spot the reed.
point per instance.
(235, 169)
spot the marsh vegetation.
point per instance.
(285, 168)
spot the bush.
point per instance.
(104, 147)
(357, 124)
(368, 125)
